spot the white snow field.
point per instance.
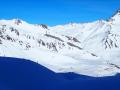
(91, 49)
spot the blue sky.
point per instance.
(54, 12)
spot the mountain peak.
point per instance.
(42, 25)
(71, 47)
(115, 19)
(17, 21)
(116, 13)
(118, 10)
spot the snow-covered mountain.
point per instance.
(84, 48)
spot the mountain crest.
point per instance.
(115, 19)
(18, 21)
(118, 11)
(84, 48)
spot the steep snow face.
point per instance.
(101, 37)
(81, 30)
(85, 48)
(57, 52)
(106, 39)
(32, 36)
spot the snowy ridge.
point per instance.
(84, 48)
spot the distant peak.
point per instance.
(115, 19)
(116, 13)
(17, 21)
(42, 25)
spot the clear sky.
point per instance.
(54, 12)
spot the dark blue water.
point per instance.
(20, 74)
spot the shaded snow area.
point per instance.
(91, 49)
(20, 74)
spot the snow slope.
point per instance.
(21, 74)
(84, 48)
